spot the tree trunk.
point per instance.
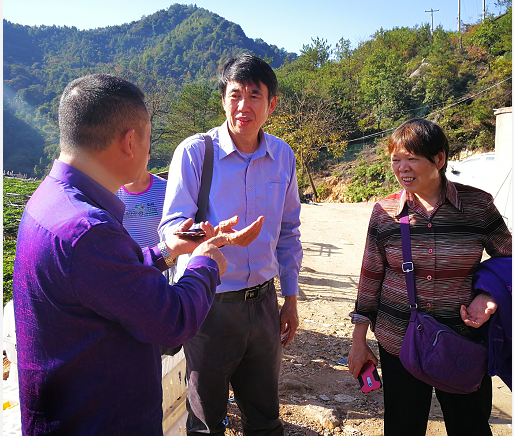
(311, 182)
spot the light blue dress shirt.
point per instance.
(264, 184)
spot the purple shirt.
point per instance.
(92, 310)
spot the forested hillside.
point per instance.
(337, 100)
(164, 51)
(333, 100)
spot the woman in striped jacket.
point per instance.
(451, 225)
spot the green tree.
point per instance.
(317, 53)
(307, 123)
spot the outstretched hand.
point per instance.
(184, 245)
(226, 235)
(479, 311)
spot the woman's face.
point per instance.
(417, 174)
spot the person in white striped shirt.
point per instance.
(143, 200)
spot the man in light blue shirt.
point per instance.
(253, 175)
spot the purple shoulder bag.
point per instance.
(432, 352)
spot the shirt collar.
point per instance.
(449, 192)
(227, 146)
(98, 194)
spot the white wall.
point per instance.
(503, 163)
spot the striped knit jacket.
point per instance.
(447, 247)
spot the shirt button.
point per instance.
(429, 305)
(250, 212)
(430, 251)
(253, 261)
(429, 225)
(429, 277)
(250, 188)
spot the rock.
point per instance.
(326, 416)
(324, 397)
(292, 382)
(342, 398)
(351, 431)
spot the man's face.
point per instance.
(247, 109)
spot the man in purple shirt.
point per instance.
(92, 308)
(254, 174)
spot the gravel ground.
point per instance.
(318, 395)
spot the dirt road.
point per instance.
(333, 236)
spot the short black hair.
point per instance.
(95, 108)
(248, 68)
(421, 137)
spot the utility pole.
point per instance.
(458, 19)
(432, 14)
(483, 11)
(458, 15)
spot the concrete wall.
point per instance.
(503, 163)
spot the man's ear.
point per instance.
(272, 105)
(126, 142)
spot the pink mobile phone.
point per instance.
(369, 378)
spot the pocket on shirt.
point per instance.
(275, 196)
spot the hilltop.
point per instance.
(334, 102)
(169, 49)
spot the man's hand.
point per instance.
(211, 250)
(217, 237)
(479, 311)
(184, 245)
(241, 238)
(288, 320)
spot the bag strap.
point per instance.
(408, 265)
(205, 183)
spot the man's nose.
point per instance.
(243, 104)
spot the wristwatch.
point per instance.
(170, 261)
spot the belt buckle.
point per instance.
(252, 293)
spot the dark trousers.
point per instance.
(239, 342)
(407, 404)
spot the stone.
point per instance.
(292, 382)
(326, 416)
(351, 431)
(342, 398)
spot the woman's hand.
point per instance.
(360, 353)
(479, 311)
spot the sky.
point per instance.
(285, 23)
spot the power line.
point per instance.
(461, 100)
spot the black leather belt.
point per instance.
(244, 294)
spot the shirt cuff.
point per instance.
(288, 287)
(360, 319)
(155, 257)
(203, 261)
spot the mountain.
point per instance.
(183, 44)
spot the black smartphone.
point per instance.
(194, 233)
